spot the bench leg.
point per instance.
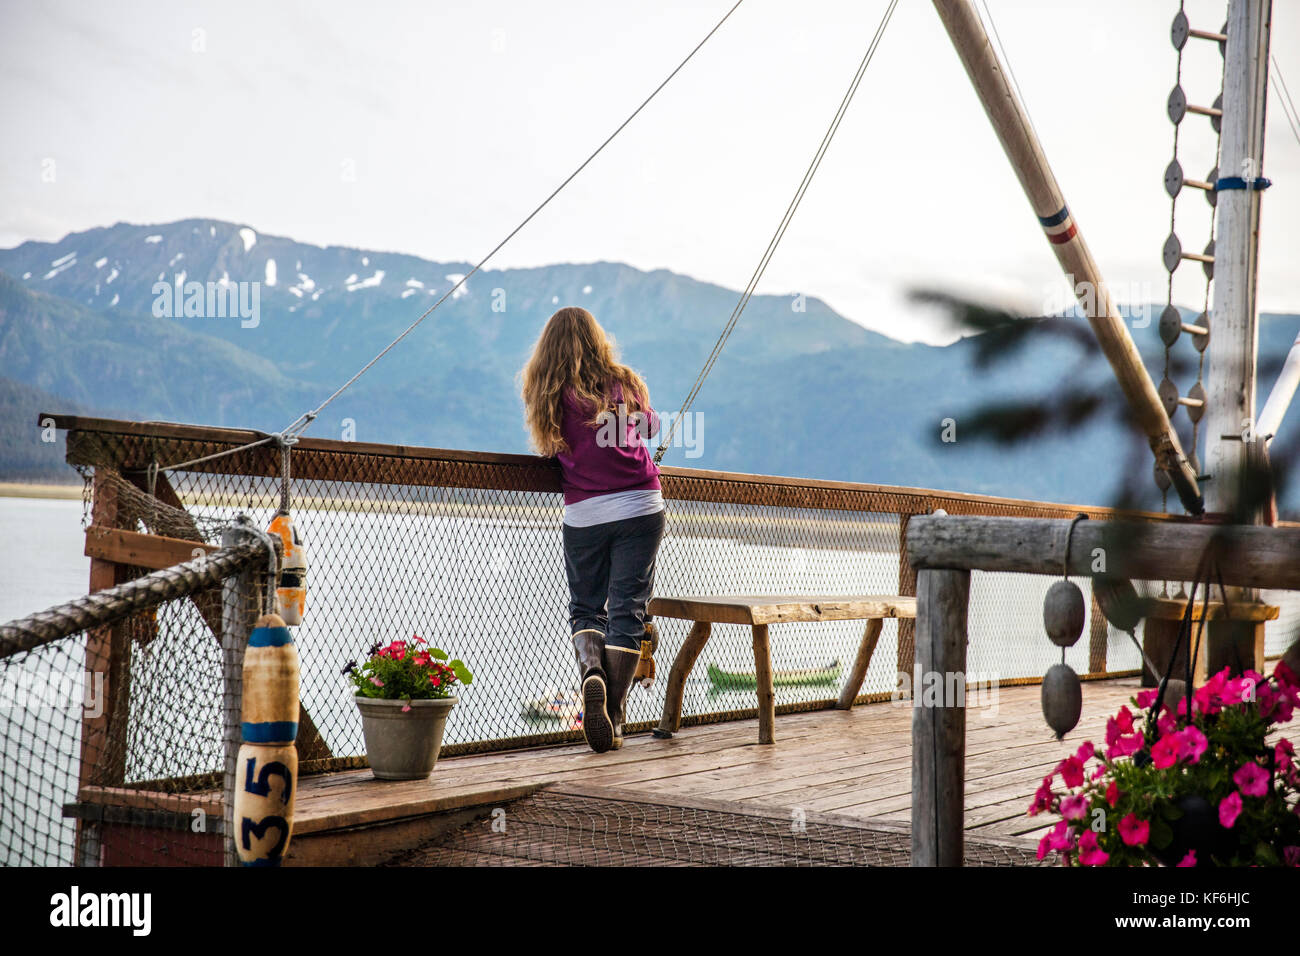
(671, 719)
(763, 678)
(859, 673)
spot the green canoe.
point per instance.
(745, 680)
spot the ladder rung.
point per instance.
(1196, 329)
(1205, 110)
(1208, 35)
(1190, 402)
(1196, 257)
(1199, 184)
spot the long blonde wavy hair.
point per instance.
(573, 351)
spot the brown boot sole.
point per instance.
(596, 725)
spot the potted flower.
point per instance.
(404, 692)
(1205, 790)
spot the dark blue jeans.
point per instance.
(611, 571)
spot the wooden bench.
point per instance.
(759, 611)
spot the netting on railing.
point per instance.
(464, 549)
(120, 722)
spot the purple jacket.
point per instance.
(593, 465)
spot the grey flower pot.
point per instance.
(403, 746)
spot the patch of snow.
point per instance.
(175, 259)
(414, 284)
(586, 290)
(306, 282)
(407, 293)
(180, 279)
(296, 291)
(316, 295)
(27, 275)
(249, 237)
(212, 230)
(111, 276)
(297, 266)
(160, 276)
(64, 266)
(225, 278)
(62, 259)
(365, 260)
(350, 279)
(270, 272)
(116, 297)
(99, 263)
(373, 281)
(153, 238)
(453, 279)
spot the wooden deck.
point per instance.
(854, 764)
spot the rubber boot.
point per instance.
(620, 668)
(588, 646)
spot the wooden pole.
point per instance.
(1248, 556)
(1011, 123)
(1230, 385)
(938, 718)
(108, 650)
(240, 609)
(1279, 399)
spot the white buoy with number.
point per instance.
(266, 775)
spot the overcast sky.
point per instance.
(433, 127)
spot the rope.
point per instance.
(778, 235)
(299, 425)
(1284, 97)
(106, 607)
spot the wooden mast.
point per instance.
(1011, 123)
(1230, 406)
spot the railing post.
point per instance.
(108, 653)
(907, 588)
(243, 599)
(939, 718)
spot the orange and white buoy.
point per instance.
(291, 589)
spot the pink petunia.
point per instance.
(1146, 698)
(1285, 676)
(1074, 806)
(1209, 696)
(1090, 853)
(1252, 779)
(1042, 798)
(1113, 793)
(1165, 751)
(377, 682)
(1071, 771)
(1060, 837)
(1085, 752)
(1189, 860)
(406, 708)
(1134, 832)
(1194, 743)
(1230, 809)
(1125, 746)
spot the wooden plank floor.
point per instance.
(855, 764)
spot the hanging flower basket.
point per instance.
(405, 690)
(1207, 790)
